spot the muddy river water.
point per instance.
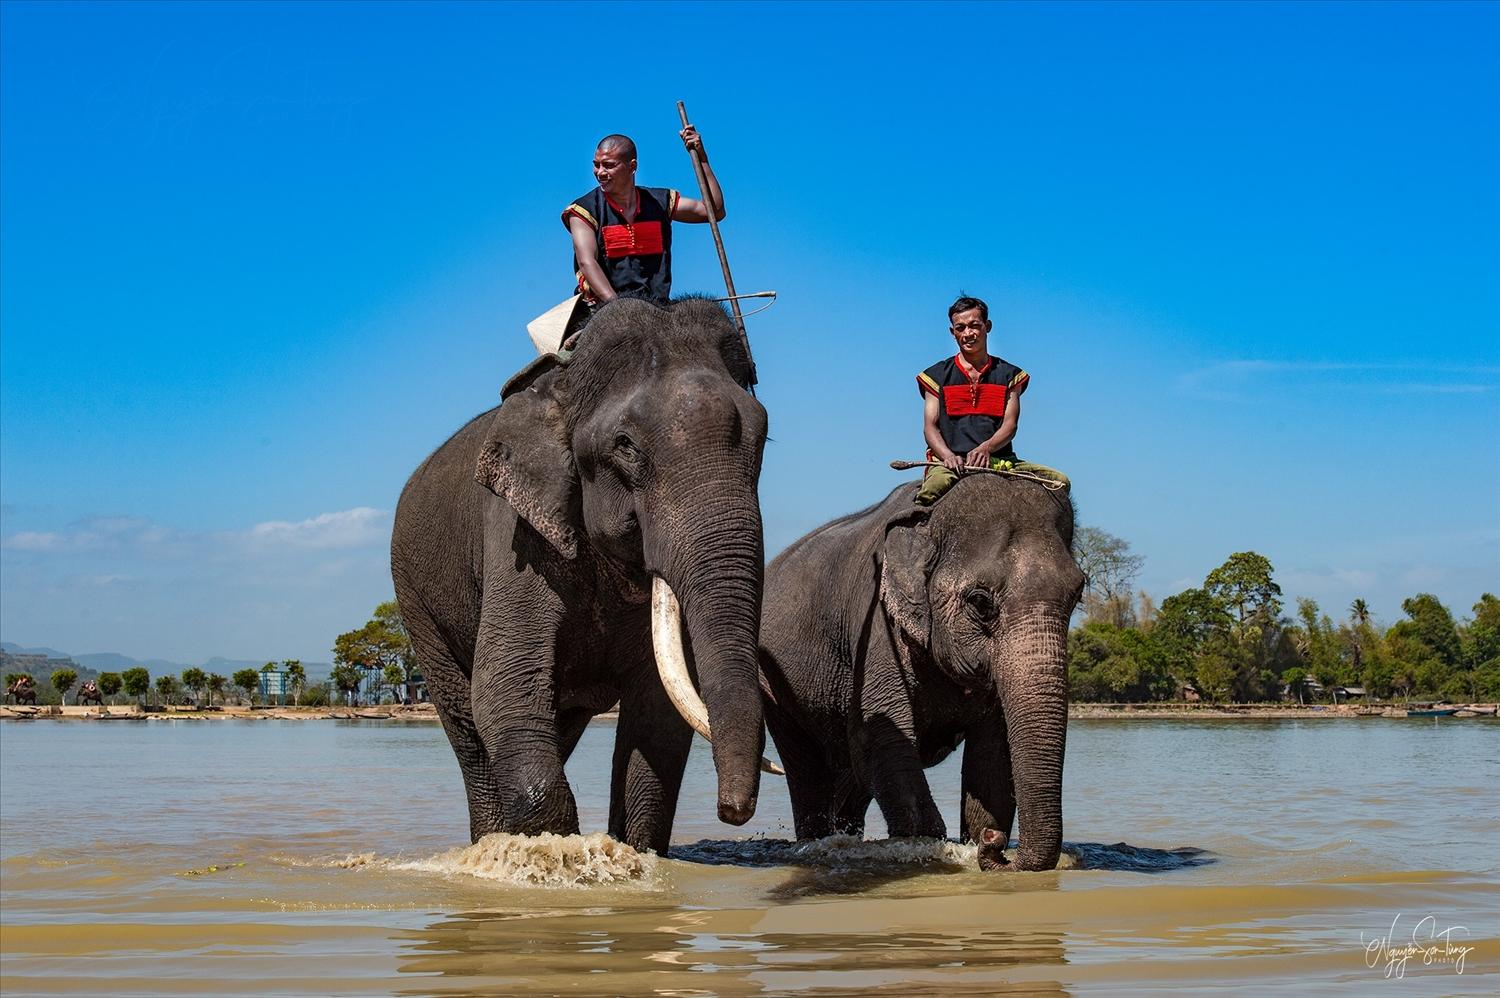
(331, 858)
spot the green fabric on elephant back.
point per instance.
(894, 635)
(526, 595)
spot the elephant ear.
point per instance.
(526, 461)
(906, 564)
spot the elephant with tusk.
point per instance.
(892, 636)
(610, 552)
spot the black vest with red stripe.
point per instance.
(969, 412)
(635, 253)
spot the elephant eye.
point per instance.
(980, 602)
(625, 448)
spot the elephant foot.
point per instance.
(992, 851)
(917, 821)
(541, 806)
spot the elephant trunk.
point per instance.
(715, 568)
(1032, 678)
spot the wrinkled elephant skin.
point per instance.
(527, 593)
(893, 635)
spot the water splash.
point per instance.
(545, 860)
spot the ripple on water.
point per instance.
(851, 852)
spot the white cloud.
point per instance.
(31, 540)
(274, 589)
(350, 528)
(1235, 379)
(360, 527)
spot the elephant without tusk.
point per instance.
(893, 635)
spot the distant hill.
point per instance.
(113, 661)
(44, 652)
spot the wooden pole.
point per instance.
(713, 225)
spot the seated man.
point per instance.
(972, 406)
(622, 234)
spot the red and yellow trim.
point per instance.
(578, 211)
(926, 386)
(673, 196)
(1019, 382)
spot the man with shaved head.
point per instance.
(622, 234)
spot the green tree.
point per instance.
(1320, 647)
(1244, 587)
(62, 682)
(1482, 636)
(110, 683)
(314, 696)
(382, 641)
(1188, 626)
(1295, 678)
(196, 680)
(346, 678)
(136, 682)
(1431, 623)
(216, 684)
(166, 689)
(393, 677)
(296, 677)
(248, 682)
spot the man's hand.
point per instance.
(692, 140)
(979, 457)
(954, 463)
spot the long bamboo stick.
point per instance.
(713, 225)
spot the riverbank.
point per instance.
(1272, 711)
(427, 714)
(421, 713)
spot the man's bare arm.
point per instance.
(935, 441)
(588, 262)
(692, 209)
(980, 456)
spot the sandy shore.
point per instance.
(427, 714)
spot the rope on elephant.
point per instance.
(1050, 484)
(754, 294)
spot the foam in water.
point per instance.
(536, 860)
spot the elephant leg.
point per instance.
(810, 781)
(851, 803)
(989, 791)
(892, 768)
(570, 728)
(651, 750)
(448, 686)
(883, 746)
(514, 707)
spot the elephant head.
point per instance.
(643, 455)
(982, 591)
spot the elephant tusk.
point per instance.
(671, 663)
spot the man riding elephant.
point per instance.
(972, 407)
(622, 234)
(893, 635)
(22, 689)
(615, 531)
(89, 693)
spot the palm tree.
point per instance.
(296, 677)
(216, 684)
(1360, 611)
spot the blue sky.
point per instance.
(257, 261)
